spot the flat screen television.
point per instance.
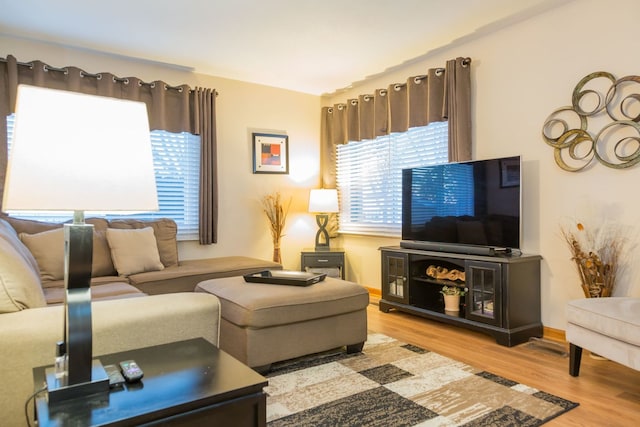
(469, 207)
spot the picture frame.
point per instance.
(509, 173)
(270, 153)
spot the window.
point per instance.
(369, 176)
(176, 159)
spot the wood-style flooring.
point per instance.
(608, 393)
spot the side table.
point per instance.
(323, 259)
(185, 383)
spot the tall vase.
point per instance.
(277, 256)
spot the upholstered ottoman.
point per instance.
(264, 323)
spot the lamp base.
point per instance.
(59, 390)
(322, 236)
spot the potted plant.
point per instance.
(452, 296)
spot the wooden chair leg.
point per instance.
(575, 355)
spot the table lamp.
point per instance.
(323, 202)
(77, 152)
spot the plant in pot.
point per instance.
(452, 296)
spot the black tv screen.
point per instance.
(468, 204)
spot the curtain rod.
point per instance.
(98, 76)
(439, 71)
(397, 86)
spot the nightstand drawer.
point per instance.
(326, 260)
(323, 260)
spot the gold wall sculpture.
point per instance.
(602, 123)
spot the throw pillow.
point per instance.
(102, 264)
(19, 283)
(48, 250)
(134, 250)
(165, 231)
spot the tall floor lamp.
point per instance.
(77, 152)
(323, 202)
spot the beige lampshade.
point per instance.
(323, 200)
(77, 152)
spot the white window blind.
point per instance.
(369, 176)
(176, 159)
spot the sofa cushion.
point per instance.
(30, 226)
(19, 282)
(100, 280)
(47, 248)
(105, 291)
(165, 231)
(188, 274)
(134, 251)
(101, 265)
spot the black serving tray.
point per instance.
(285, 277)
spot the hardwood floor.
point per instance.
(608, 393)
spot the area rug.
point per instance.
(391, 383)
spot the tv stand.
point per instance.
(502, 290)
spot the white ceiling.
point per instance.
(311, 46)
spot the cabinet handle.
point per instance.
(322, 260)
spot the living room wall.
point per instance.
(521, 73)
(241, 108)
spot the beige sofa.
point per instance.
(146, 260)
(32, 290)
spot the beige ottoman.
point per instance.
(263, 323)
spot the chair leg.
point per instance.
(575, 355)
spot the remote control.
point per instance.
(115, 377)
(131, 371)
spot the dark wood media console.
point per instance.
(502, 292)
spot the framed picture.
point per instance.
(270, 153)
(509, 173)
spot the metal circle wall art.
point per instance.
(602, 123)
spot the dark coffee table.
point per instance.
(185, 383)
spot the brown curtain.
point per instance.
(457, 109)
(441, 94)
(170, 108)
(205, 100)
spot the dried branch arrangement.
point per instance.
(596, 256)
(276, 213)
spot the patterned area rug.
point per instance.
(395, 384)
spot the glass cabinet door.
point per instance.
(395, 269)
(484, 300)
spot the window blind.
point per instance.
(369, 176)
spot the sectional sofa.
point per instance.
(137, 281)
